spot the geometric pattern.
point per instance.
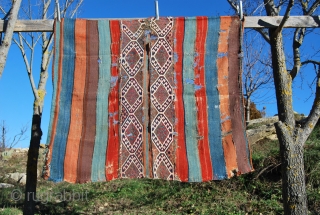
(162, 97)
(165, 167)
(131, 136)
(161, 132)
(161, 94)
(129, 60)
(163, 49)
(133, 35)
(132, 168)
(162, 28)
(131, 93)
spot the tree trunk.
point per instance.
(293, 180)
(290, 139)
(33, 153)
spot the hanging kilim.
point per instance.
(147, 99)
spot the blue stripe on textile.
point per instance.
(215, 139)
(102, 112)
(59, 146)
(55, 77)
(189, 101)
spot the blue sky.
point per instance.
(16, 98)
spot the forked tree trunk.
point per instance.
(290, 139)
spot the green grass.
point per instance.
(254, 193)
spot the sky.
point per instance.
(16, 97)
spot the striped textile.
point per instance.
(147, 99)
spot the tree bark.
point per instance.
(293, 176)
(4, 49)
(33, 153)
(291, 145)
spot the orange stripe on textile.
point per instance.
(112, 166)
(201, 99)
(226, 126)
(181, 153)
(57, 108)
(76, 120)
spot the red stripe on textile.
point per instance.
(223, 88)
(76, 118)
(89, 104)
(112, 162)
(201, 99)
(181, 153)
(57, 108)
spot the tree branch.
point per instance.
(315, 5)
(233, 5)
(263, 34)
(299, 37)
(8, 34)
(314, 62)
(285, 17)
(29, 70)
(313, 117)
(76, 8)
(45, 9)
(297, 42)
(271, 9)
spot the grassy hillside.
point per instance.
(255, 193)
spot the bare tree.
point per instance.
(27, 43)
(257, 73)
(6, 43)
(7, 142)
(291, 134)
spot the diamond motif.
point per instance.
(131, 134)
(129, 32)
(132, 58)
(161, 138)
(131, 95)
(163, 168)
(162, 132)
(161, 56)
(161, 94)
(162, 28)
(132, 171)
(132, 168)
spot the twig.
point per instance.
(262, 171)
